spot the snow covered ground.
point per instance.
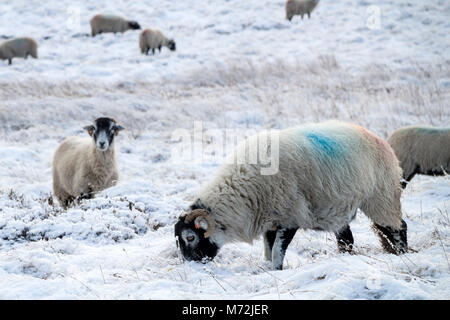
(239, 65)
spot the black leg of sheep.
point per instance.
(407, 179)
(404, 183)
(282, 240)
(68, 202)
(89, 194)
(344, 239)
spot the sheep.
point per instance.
(421, 150)
(84, 166)
(326, 171)
(300, 7)
(18, 47)
(154, 39)
(102, 23)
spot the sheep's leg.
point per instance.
(86, 195)
(68, 202)
(148, 49)
(9, 61)
(153, 51)
(407, 178)
(159, 48)
(282, 240)
(269, 239)
(309, 15)
(344, 239)
(89, 194)
(64, 199)
(393, 240)
(405, 182)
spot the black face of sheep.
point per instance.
(192, 239)
(134, 25)
(103, 131)
(171, 45)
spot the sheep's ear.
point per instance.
(117, 128)
(90, 129)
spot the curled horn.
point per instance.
(205, 214)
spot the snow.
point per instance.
(239, 65)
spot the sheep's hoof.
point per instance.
(280, 267)
(344, 248)
(87, 195)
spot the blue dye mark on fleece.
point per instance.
(324, 144)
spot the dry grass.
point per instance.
(282, 93)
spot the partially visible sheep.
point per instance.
(154, 39)
(300, 7)
(84, 166)
(101, 23)
(326, 172)
(18, 48)
(422, 150)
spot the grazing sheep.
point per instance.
(18, 48)
(423, 150)
(154, 39)
(300, 7)
(101, 23)
(326, 172)
(84, 166)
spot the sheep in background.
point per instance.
(326, 172)
(154, 39)
(18, 48)
(108, 23)
(300, 7)
(84, 166)
(422, 150)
